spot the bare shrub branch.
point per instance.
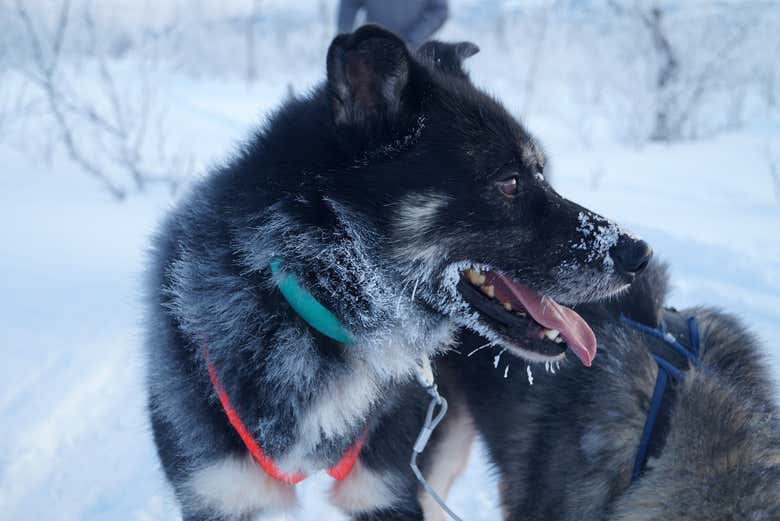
(697, 58)
(773, 165)
(113, 120)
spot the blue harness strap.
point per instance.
(673, 360)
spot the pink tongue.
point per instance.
(578, 335)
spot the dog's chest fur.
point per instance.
(369, 384)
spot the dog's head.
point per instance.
(459, 190)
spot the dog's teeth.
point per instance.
(490, 291)
(551, 334)
(507, 306)
(475, 277)
(520, 314)
(558, 340)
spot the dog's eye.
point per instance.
(508, 186)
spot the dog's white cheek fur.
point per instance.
(238, 486)
(414, 220)
(418, 212)
(449, 458)
(364, 491)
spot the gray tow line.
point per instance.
(432, 419)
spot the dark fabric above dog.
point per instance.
(565, 447)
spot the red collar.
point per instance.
(339, 471)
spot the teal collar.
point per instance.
(308, 307)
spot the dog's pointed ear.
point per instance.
(367, 73)
(448, 57)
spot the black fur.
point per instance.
(565, 446)
(375, 190)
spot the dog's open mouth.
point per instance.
(533, 322)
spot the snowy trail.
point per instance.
(76, 444)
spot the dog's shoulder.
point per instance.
(730, 351)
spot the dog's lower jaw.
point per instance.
(535, 358)
(500, 343)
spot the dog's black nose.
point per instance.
(630, 255)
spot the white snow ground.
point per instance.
(75, 443)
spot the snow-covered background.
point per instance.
(166, 89)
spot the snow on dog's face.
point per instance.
(459, 188)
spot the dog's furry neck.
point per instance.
(224, 299)
(341, 264)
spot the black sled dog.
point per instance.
(297, 288)
(567, 448)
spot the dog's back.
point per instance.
(565, 446)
